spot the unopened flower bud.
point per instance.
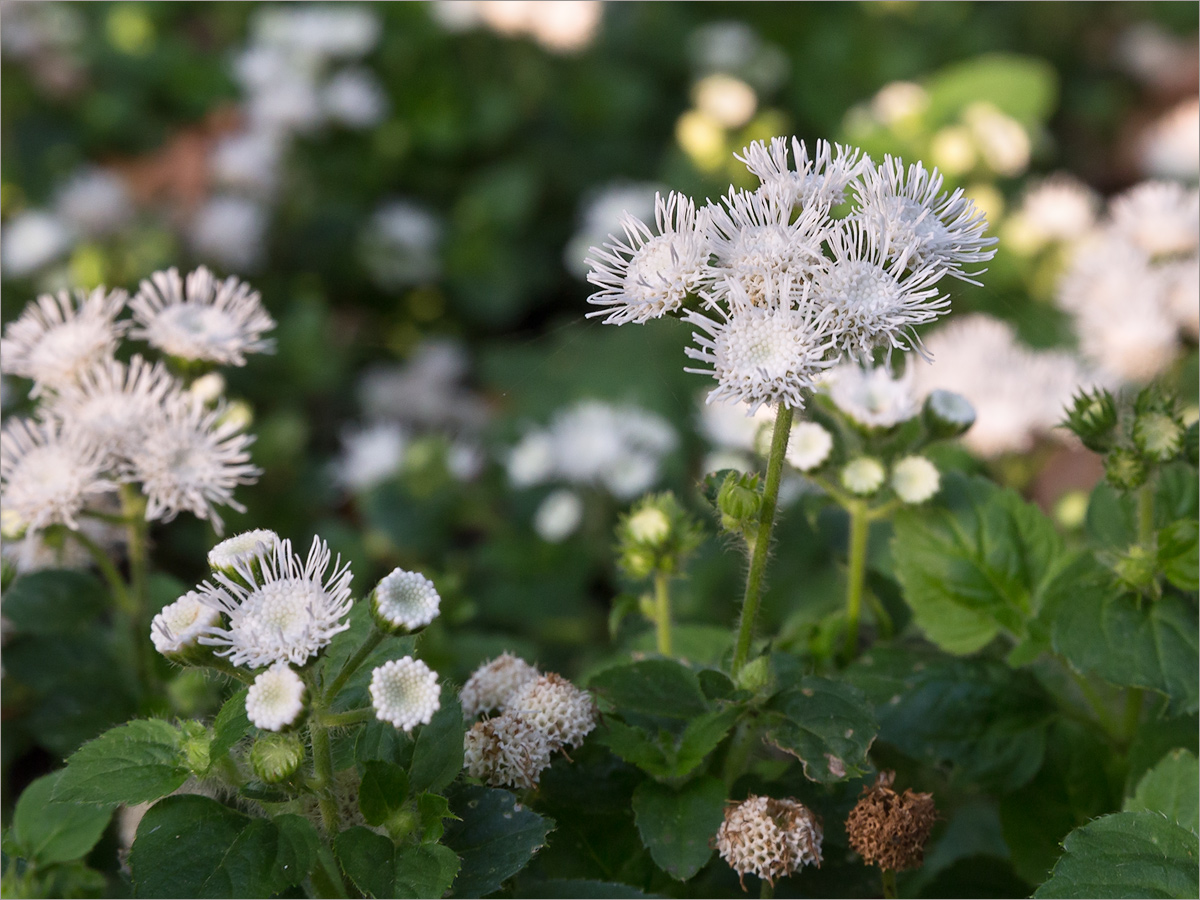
(197, 746)
(243, 550)
(915, 479)
(655, 536)
(1159, 435)
(755, 675)
(889, 830)
(649, 525)
(809, 446)
(277, 757)
(947, 414)
(739, 497)
(404, 602)
(769, 838)
(237, 414)
(1137, 568)
(208, 388)
(1093, 419)
(863, 476)
(1125, 469)
(178, 626)
(276, 699)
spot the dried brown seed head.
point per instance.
(889, 830)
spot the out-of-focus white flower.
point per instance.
(769, 838)
(899, 102)
(1181, 282)
(565, 26)
(427, 392)
(493, 683)
(208, 388)
(48, 474)
(863, 475)
(735, 426)
(276, 698)
(355, 98)
(506, 751)
(400, 244)
(57, 338)
(454, 15)
(280, 607)
(241, 549)
(202, 319)
(533, 460)
(601, 214)
(34, 29)
(39, 550)
(915, 479)
(1002, 142)
(189, 460)
(1058, 208)
(95, 202)
(872, 397)
(406, 600)
(1156, 57)
(336, 31)
(248, 161)
(1161, 218)
(181, 623)
(561, 711)
(726, 99)
(370, 456)
(1170, 146)
(405, 693)
(465, 461)
(33, 239)
(558, 516)
(808, 446)
(230, 231)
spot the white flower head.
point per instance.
(649, 273)
(761, 353)
(47, 474)
(58, 337)
(863, 476)
(276, 698)
(1161, 218)
(241, 549)
(561, 711)
(532, 461)
(354, 97)
(558, 516)
(923, 227)
(506, 751)
(406, 600)
(190, 459)
(180, 624)
(808, 446)
(769, 838)
(95, 201)
(370, 455)
(817, 180)
(1059, 208)
(915, 479)
(492, 685)
(873, 397)
(868, 300)
(33, 239)
(279, 607)
(405, 692)
(230, 229)
(201, 318)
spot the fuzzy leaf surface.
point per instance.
(438, 755)
(676, 825)
(133, 763)
(1171, 788)
(47, 831)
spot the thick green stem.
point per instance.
(350, 717)
(766, 890)
(373, 640)
(1145, 513)
(662, 612)
(889, 883)
(323, 776)
(762, 542)
(860, 529)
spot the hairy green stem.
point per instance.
(860, 529)
(360, 655)
(323, 775)
(225, 667)
(662, 612)
(349, 717)
(762, 542)
(888, 878)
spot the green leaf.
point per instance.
(133, 763)
(1131, 642)
(1126, 854)
(1179, 554)
(987, 567)
(581, 889)
(1171, 788)
(827, 725)
(494, 838)
(191, 846)
(383, 792)
(438, 756)
(433, 809)
(1154, 739)
(677, 825)
(426, 870)
(660, 688)
(368, 859)
(55, 602)
(230, 724)
(383, 741)
(668, 754)
(47, 831)
(1024, 87)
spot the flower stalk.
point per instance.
(860, 528)
(662, 612)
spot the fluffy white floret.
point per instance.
(180, 624)
(406, 600)
(405, 692)
(915, 479)
(276, 698)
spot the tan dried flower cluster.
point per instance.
(888, 829)
(769, 838)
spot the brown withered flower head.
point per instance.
(769, 838)
(888, 829)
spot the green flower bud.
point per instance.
(1125, 469)
(739, 498)
(1093, 418)
(650, 526)
(638, 563)
(1138, 569)
(277, 757)
(755, 675)
(655, 536)
(947, 414)
(1159, 435)
(197, 746)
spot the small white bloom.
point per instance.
(558, 516)
(899, 101)
(58, 337)
(33, 239)
(817, 180)
(280, 607)
(190, 460)
(241, 549)
(230, 230)
(863, 476)
(202, 318)
(208, 388)
(506, 751)
(335, 31)
(370, 456)
(532, 460)
(405, 692)
(1059, 208)
(725, 99)
(181, 623)
(399, 245)
(406, 600)
(873, 397)
(492, 685)
(561, 711)
(248, 161)
(564, 26)
(808, 446)
(915, 479)
(47, 474)
(94, 201)
(276, 698)
(355, 98)
(1162, 218)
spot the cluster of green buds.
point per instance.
(656, 537)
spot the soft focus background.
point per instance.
(414, 187)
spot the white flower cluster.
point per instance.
(100, 422)
(539, 715)
(778, 288)
(1133, 286)
(769, 838)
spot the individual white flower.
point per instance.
(248, 161)
(532, 460)
(112, 404)
(399, 245)
(734, 426)
(58, 337)
(863, 476)
(276, 698)
(95, 202)
(906, 210)
(370, 456)
(1170, 146)
(1161, 218)
(558, 516)
(817, 180)
(1058, 208)
(872, 397)
(506, 751)
(201, 318)
(180, 624)
(564, 26)
(406, 600)
(190, 460)
(279, 607)
(915, 479)
(335, 31)
(769, 838)
(33, 239)
(649, 525)
(761, 353)
(725, 99)
(47, 474)
(649, 273)
(866, 297)
(492, 684)
(355, 98)
(561, 711)
(808, 446)
(405, 692)
(241, 549)
(230, 231)
(899, 101)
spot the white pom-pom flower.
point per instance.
(1161, 218)
(873, 397)
(558, 516)
(276, 698)
(405, 692)
(561, 711)
(863, 476)
(406, 601)
(808, 446)
(180, 624)
(915, 479)
(492, 685)
(769, 838)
